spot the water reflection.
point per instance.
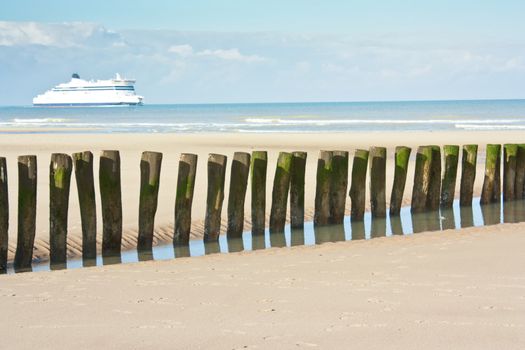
(405, 223)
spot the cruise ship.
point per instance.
(80, 92)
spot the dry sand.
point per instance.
(131, 146)
(443, 290)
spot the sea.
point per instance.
(487, 115)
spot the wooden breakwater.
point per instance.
(435, 172)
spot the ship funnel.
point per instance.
(75, 76)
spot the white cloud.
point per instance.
(231, 55)
(73, 34)
(181, 50)
(234, 54)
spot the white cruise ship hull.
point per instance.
(79, 92)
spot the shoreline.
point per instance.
(131, 145)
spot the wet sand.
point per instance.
(454, 289)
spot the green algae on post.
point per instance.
(215, 196)
(358, 185)
(322, 189)
(491, 190)
(434, 186)
(240, 171)
(83, 163)
(468, 174)
(281, 186)
(4, 216)
(402, 157)
(520, 172)
(150, 166)
(339, 186)
(184, 198)
(259, 168)
(421, 179)
(297, 180)
(27, 184)
(510, 152)
(111, 200)
(378, 181)
(59, 184)
(448, 183)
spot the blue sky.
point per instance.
(255, 51)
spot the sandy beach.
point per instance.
(172, 145)
(454, 289)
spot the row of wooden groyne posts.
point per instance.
(433, 188)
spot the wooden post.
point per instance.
(422, 174)
(83, 163)
(59, 183)
(358, 229)
(510, 151)
(400, 176)
(434, 186)
(520, 173)
(448, 183)
(215, 197)
(378, 227)
(111, 200)
(491, 191)
(184, 198)
(297, 179)
(339, 186)
(358, 185)
(378, 182)
(259, 167)
(238, 184)
(281, 185)
(27, 181)
(4, 216)
(150, 165)
(466, 216)
(322, 190)
(468, 174)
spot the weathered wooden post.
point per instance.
(323, 187)
(519, 185)
(448, 183)
(358, 185)
(215, 197)
(297, 179)
(378, 182)
(150, 166)
(27, 181)
(358, 229)
(510, 151)
(491, 191)
(466, 216)
(281, 186)
(184, 198)
(434, 186)
(111, 200)
(378, 227)
(59, 183)
(339, 186)
(83, 163)
(468, 174)
(4, 216)
(238, 183)
(258, 184)
(422, 174)
(400, 176)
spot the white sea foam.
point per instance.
(490, 127)
(282, 121)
